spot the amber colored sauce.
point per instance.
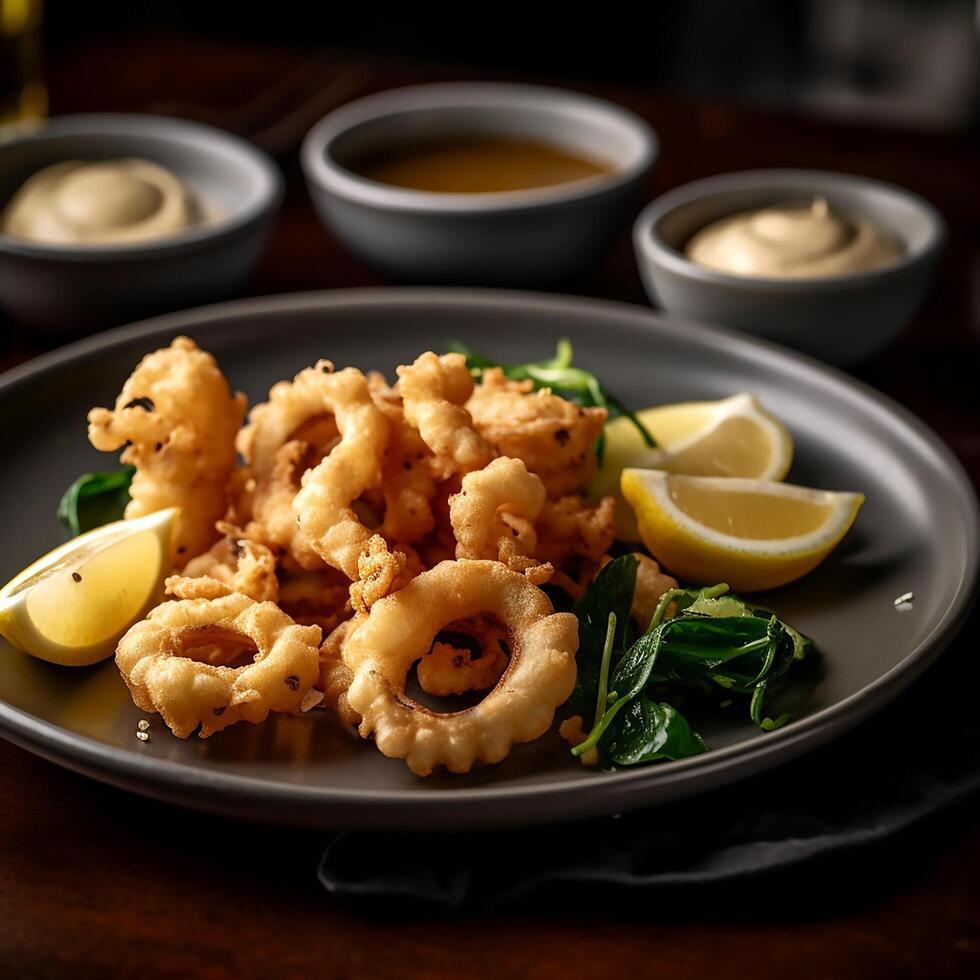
(476, 165)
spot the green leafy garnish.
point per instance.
(95, 499)
(611, 593)
(649, 731)
(713, 640)
(564, 379)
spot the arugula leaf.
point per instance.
(95, 499)
(561, 376)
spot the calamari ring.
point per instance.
(284, 437)
(233, 564)
(322, 507)
(400, 629)
(493, 515)
(152, 658)
(434, 390)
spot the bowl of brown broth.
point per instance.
(478, 182)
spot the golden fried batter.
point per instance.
(447, 670)
(554, 437)
(379, 572)
(400, 629)
(324, 505)
(335, 675)
(233, 564)
(407, 478)
(285, 437)
(175, 421)
(434, 390)
(162, 662)
(571, 528)
(494, 512)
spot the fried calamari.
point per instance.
(494, 512)
(324, 505)
(286, 436)
(407, 480)
(177, 662)
(554, 437)
(401, 628)
(175, 421)
(470, 655)
(409, 525)
(434, 390)
(232, 564)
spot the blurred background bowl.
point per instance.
(67, 289)
(537, 236)
(842, 319)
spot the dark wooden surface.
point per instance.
(94, 882)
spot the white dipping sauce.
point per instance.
(791, 242)
(105, 202)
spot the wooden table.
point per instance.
(94, 882)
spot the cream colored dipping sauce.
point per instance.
(104, 202)
(792, 242)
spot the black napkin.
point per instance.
(919, 756)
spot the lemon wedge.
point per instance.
(71, 606)
(752, 534)
(734, 436)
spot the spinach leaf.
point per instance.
(649, 731)
(611, 592)
(561, 376)
(730, 605)
(713, 639)
(95, 499)
(693, 647)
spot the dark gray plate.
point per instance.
(918, 532)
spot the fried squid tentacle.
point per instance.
(493, 515)
(553, 436)
(233, 564)
(572, 528)
(434, 390)
(177, 420)
(448, 670)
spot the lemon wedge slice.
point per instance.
(752, 534)
(71, 606)
(734, 436)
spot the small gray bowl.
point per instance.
(526, 237)
(71, 289)
(842, 319)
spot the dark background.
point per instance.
(96, 882)
(908, 62)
